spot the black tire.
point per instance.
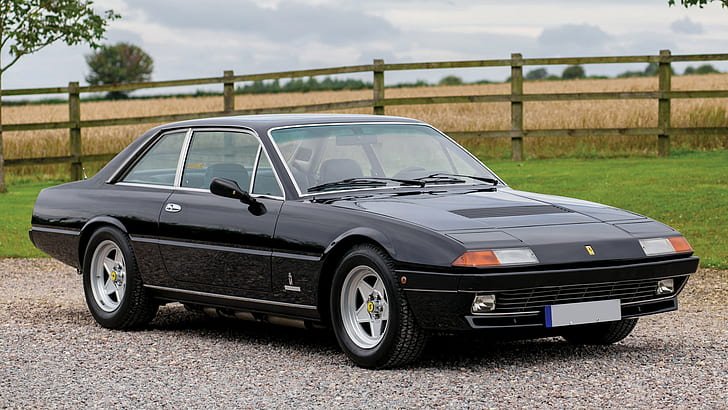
(600, 333)
(136, 307)
(403, 340)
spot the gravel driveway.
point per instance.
(52, 354)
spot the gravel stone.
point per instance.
(53, 354)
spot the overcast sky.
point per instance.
(192, 38)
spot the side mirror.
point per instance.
(230, 189)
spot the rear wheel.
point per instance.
(600, 333)
(114, 291)
(369, 313)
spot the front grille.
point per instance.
(534, 299)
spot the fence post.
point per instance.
(228, 93)
(516, 107)
(663, 105)
(378, 86)
(74, 132)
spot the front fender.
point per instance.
(364, 232)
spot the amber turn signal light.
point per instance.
(680, 244)
(475, 259)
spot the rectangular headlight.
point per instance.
(515, 256)
(664, 246)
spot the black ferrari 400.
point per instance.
(382, 228)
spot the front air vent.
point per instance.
(500, 212)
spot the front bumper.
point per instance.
(442, 301)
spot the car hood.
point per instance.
(504, 208)
(558, 229)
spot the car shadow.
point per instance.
(465, 350)
(178, 319)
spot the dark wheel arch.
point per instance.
(403, 341)
(92, 226)
(331, 261)
(136, 308)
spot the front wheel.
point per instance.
(600, 333)
(114, 291)
(370, 315)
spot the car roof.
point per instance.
(281, 120)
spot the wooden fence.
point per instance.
(664, 94)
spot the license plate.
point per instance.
(570, 314)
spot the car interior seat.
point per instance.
(232, 171)
(336, 169)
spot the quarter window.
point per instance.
(158, 166)
(265, 179)
(220, 154)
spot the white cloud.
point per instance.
(686, 26)
(190, 39)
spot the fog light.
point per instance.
(664, 287)
(483, 303)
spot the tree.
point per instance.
(119, 63)
(699, 3)
(652, 69)
(573, 72)
(451, 80)
(27, 26)
(537, 74)
(703, 69)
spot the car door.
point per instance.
(137, 198)
(215, 244)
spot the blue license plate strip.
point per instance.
(570, 314)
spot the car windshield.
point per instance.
(331, 155)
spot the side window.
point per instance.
(220, 154)
(265, 179)
(158, 166)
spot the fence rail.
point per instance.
(516, 98)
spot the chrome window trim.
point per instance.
(261, 146)
(255, 168)
(275, 174)
(137, 154)
(306, 195)
(500, 180)
(183, 158)
(139, 185)
(207, 191)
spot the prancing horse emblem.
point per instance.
(589, 250)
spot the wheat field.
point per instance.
(453, 117)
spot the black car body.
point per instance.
(271, 251)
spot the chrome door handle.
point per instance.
(174, 208)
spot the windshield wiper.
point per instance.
(443, 177)
(364, 182)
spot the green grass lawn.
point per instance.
(688, 191)
(16, 207)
